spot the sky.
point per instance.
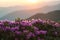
(6, 3)
(29, 4)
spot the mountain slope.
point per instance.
(53, 15)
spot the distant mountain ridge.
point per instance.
(6, 10)
(21, 14)
(53, 15)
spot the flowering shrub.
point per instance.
(29, 30)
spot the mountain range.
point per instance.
(11, 13)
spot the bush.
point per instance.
(29, 30)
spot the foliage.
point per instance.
(29, 30)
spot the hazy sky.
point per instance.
(5, 3)
(24, 4)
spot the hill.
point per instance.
(53, 15)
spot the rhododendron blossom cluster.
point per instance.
(36, 29)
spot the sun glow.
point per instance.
(20, 2)
(32, 1)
